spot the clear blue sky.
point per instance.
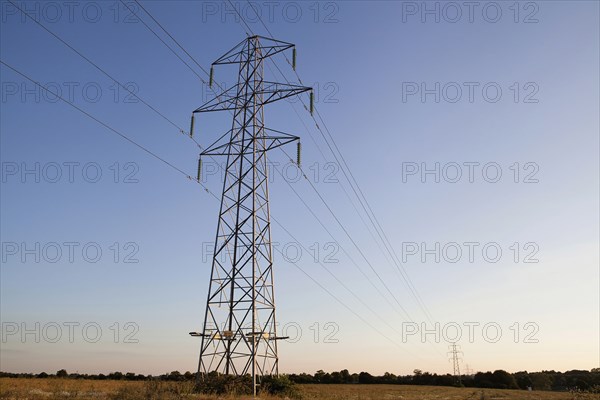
(370, 62)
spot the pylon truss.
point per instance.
(221, 147)
(239, 335)
(270, 92)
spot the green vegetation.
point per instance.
(225, 384)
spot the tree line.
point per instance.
(499, 379)
(545, 380)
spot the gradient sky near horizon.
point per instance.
(506, 90)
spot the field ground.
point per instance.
(53, 388)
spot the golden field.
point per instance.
(56, 388)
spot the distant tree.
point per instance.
(483, 380)
(42, 375)
(562, 382)
(62, 373)
(523, 380)
(417, 377)
(320, 376)
(445, 380)
(345, 374)
(365, 377)
(336, 377)
(115, 376)
(541, 381)
(503, 380)
(302, 378)
(581, 384)
(388, 378)
(175, 376)
(427, 379)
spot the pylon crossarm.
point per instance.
(232, 98)
(279, 141)
(233, 56)
(222, 146)
(215, 144)
(272, 142)
(267, 47)
(274, 91)
(227, 100)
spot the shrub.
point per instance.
(219, 384)
(280, 385)
(215, 383)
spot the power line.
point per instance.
(165, 43)
(95, 65)
(359, 250)
(172, 38)
(99, 121)
(243, 20)
(374, 220)
(346, 306)
(345, 287)
(341, 186)
(341, 247)
(379, 229)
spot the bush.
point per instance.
(215, 383)
(280, 385)
(220, 384)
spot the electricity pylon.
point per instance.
(468, 370)
(455, 351)
(239, 336)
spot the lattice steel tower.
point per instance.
(239, 335)
(454, 352)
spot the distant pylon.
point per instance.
(468, 370)
(454, 352)
(239, 336)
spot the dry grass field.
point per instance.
(406, 392)
(47, 389)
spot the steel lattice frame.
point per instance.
(239, 335)
(455, 351)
